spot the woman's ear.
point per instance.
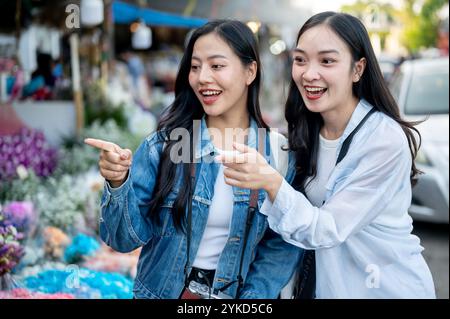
(360, 66)
(251, 71)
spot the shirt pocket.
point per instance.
(166, 225)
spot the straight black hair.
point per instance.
(304, 126)
(186, 108)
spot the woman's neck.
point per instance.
(335, 121)
(224, 130)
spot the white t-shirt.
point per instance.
(326, 161)
(217, 228)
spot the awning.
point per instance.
(125, 13)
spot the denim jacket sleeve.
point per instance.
(275, 261)
(124, 225)
(274, 264)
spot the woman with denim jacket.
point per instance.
(348, 189)
(190, 224)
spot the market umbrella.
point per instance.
(278, 12)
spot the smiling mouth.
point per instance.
(210, 96)
(314, 93)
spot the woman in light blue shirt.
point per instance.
(348, 189)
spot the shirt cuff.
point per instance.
(280, 206)
(118, 191)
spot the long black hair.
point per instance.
(304, 126)
(186, 108)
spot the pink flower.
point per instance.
(21, 293)
(19, 214)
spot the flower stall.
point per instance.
(50, 204)
(50, 186)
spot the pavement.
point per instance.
(435, 240)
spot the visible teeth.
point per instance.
(211, 93)
(314, 89)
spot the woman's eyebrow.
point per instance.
(320, 52)
(215, 56)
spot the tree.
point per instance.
(420, 28)
(376, 16)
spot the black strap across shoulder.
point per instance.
(306, 282)
(348, 140)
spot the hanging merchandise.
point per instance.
(142, 37)
(91, 12)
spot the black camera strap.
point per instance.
(306, 287)
(252, 208)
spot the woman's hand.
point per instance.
(114, 161)
(249, 169)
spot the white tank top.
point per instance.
(326, 162)
(217, 228)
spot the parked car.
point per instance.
(388, 65)
(421, 88)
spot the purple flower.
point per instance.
(29, 149)
(10, 249)
(19, 214)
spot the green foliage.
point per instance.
(363, 8)
(420, 28)
(21, 189)
(77, 157)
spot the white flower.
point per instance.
(141, 123)
(22, 172)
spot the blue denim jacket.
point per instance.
(268, 263)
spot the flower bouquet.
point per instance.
(10, 253)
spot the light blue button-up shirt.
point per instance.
(362, 233)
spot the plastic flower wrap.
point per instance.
(82, 283)
(29, 149)
(21, 215)
(81, 246)
(55, 242)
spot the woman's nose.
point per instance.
(204, 75)
(311, 73)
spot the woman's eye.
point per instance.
(217, 66)
(299, 59)
(327, 61)
(194, 67)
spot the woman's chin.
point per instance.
(213, 111)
